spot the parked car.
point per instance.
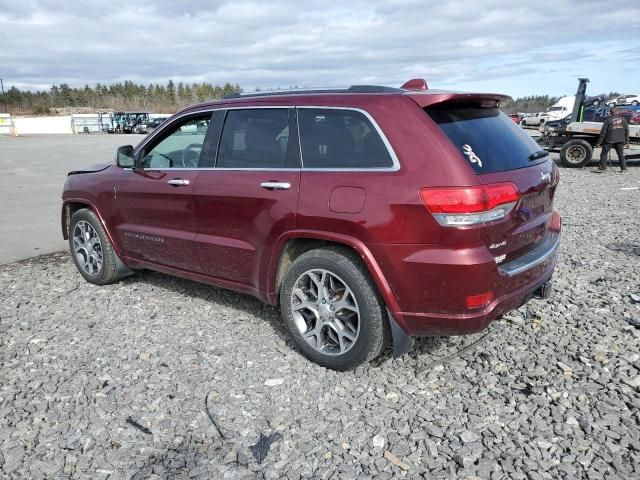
(532, 120)
(150, 126)
(632, 115)
(363, 213)
(633, 99)
(515, 117)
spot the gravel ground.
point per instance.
(157, 377)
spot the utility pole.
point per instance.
(4, 99)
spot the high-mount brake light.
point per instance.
(461, 206)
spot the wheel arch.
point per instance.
(292, 244)
(71, 206)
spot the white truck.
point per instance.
(557, 111)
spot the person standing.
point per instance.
(614, 133)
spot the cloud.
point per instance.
(456, 44)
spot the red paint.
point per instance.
(224, 229)
(347, 199)
(415, 84)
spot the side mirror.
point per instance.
(124, 156)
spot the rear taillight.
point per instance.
(478, 301)
(555, 175)
(460, 206)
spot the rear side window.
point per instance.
(332, 138)
(488, 139)
(254, 138)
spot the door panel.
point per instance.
(250, 199)
(154, 218)
(239, 221)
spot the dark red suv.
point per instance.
(366, 213)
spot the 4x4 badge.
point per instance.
(473, 158)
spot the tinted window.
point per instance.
(340, 139)
(255, 138)
(180, 147)
(487, 138)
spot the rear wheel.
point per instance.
(634, 103)
(91, 249)
(332, 309)
(576, 153)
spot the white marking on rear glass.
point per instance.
(473, 158)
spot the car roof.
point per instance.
(424, 97)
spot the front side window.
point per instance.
(255, 138)
(181, 147)
(335, 138)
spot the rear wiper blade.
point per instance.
(538, 154)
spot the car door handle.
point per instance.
(276, 185)
(178, 182)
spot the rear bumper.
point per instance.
(428, 324)
(431, 287)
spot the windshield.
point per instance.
(488, 139)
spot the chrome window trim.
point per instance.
(394, 158)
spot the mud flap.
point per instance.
(402, 343)
(121, 268)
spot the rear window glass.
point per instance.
(334, 138)
(488, 139)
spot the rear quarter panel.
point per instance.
(392, 211)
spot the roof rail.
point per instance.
(372, 89)
(303, 91)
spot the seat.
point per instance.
(261, 147)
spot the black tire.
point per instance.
(634, 103)
(373, 326)
(576, 153)
(108, 271)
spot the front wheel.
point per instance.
(91, 249)
(576, 153)
(332, 309)
(634, 103)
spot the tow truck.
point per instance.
(575, 137)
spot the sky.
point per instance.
(506, 46)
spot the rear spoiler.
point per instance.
(435, 97)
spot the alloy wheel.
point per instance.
(87, 248)
(325, 311)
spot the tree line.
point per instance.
(537, 103)
(169, 98)
(126, 95)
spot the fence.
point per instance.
(77, 123)
(90, 122)
(5, 124)
(42, 125)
